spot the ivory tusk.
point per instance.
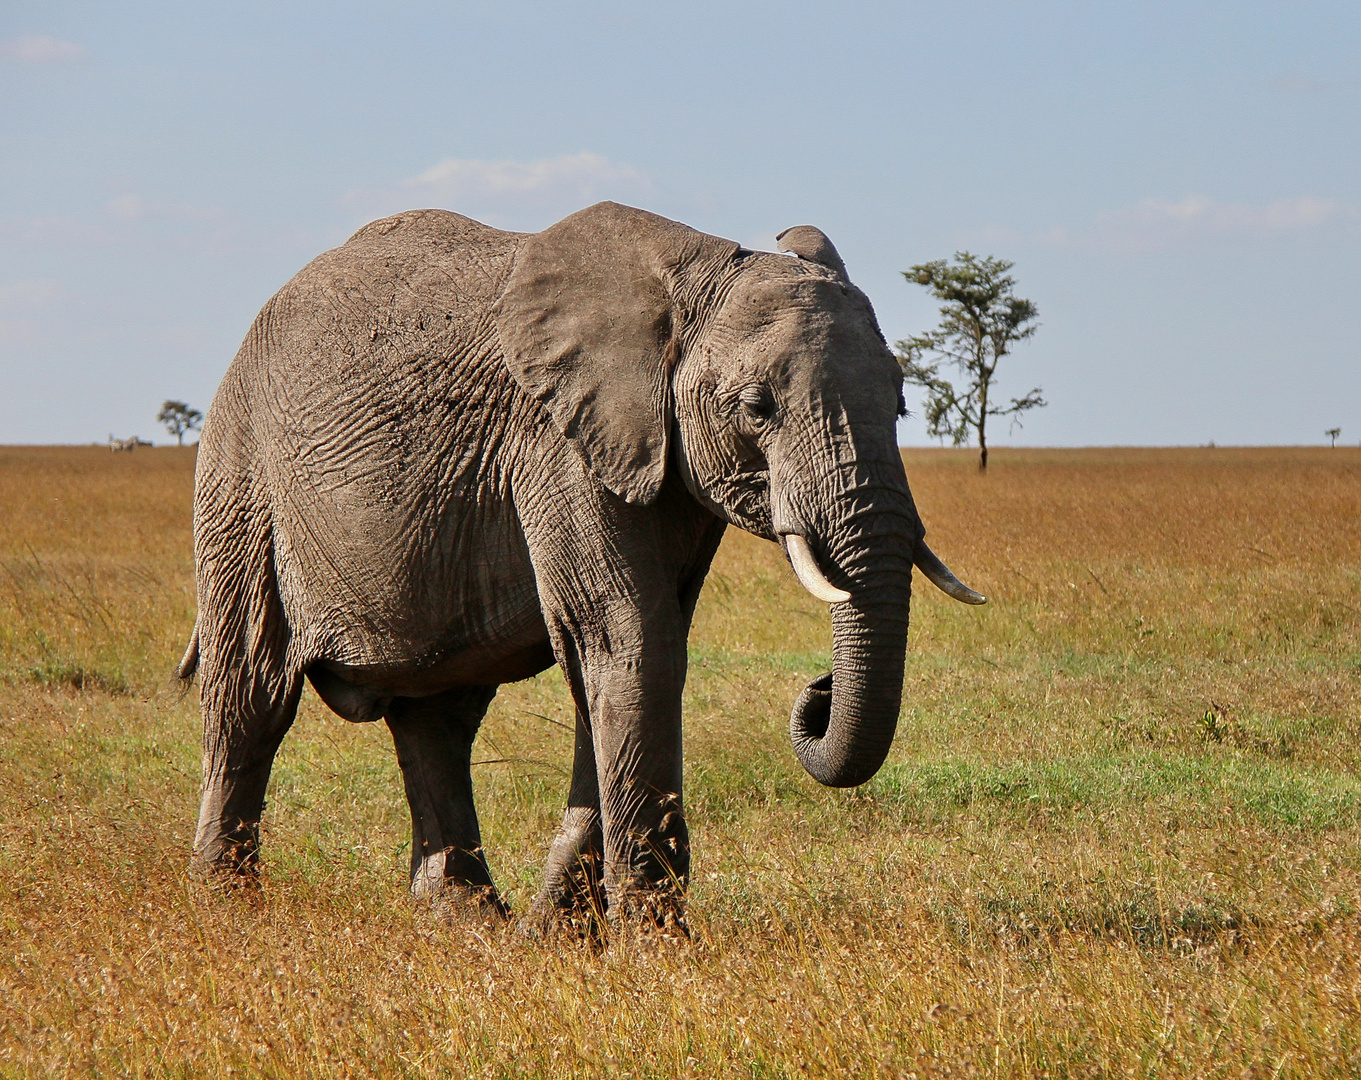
(810, 577)
(939, 575)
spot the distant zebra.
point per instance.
(126, 444)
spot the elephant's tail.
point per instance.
(189, 664)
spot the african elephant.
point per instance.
(447, 457)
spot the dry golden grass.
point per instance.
(1118, 834)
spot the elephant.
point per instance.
(448, 457)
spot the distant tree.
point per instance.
(1333, 433)
(178, 418)
(980, 321)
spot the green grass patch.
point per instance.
(1273, 793)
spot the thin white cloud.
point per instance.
(1159, 223)
(18, 333)
(132, 221)
(27, 294)
(1199, 212)
(23, 307)
(1291, 83)
(133, 207)
(126, 207)
(584, 175)
(511, 194)
(40, 49)
(38, 231)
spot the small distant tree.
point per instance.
(178, 418)
(980, 322)
(1333, 433)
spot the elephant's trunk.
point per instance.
(843, 723)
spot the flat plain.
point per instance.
(1119, 833)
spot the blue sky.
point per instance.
(1179, 185)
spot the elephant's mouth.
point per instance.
(812, 712)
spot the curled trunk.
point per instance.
(843, 723)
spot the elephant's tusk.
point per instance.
(939, 575)
(810, 577)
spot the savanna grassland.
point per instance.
(1119, 833)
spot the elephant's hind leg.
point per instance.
(434, 741)
(250, 693)
(240, 742)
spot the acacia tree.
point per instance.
(980, 321)
(178, 418)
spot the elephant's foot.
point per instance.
(646, 880)
(470, 906)
(648, 914)
(456, 888)
(572, 901)
(575, 912)
(230, 862)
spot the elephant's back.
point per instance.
(422, 275)
(372, 343)
(433, 228)
(378, 413)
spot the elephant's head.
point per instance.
(765, 381)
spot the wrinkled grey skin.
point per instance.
(447, 457)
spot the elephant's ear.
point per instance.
(811, 243)
(586, 319)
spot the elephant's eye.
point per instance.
(758, 402)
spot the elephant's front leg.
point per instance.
(635, 714)
(434, 741)
(616, 585)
